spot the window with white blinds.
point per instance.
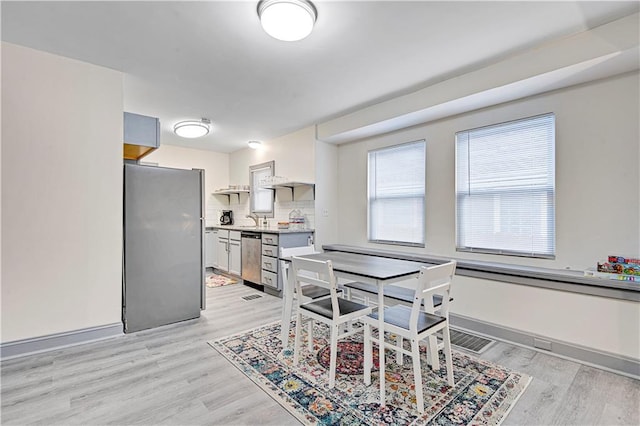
(505, 188)
(397, 194)
(262, 199)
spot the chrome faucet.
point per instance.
(255, 218)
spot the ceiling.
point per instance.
(187, 60)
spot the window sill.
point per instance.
(554, 279)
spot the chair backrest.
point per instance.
(287, 252)
(297, 251)
(433, 280)
(318, 273)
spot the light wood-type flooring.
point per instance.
(170, 376)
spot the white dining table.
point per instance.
(373, 269)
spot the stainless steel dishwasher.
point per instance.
(251, 257)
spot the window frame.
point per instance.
(256, 189)
(550, 191)
(423, 196)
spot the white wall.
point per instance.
(61, 194)
(607, 325)
(597, 209)
(294, 156)
(215, 165)
(327, 210)
(596, 173)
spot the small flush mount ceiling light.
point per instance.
(254, 144)
(287, 20)
(192, 128)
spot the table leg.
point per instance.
(381, 342)
(286, 311)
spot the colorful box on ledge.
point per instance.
(619, 268)
(620, 259)
(611, 276)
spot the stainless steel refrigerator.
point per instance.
(163, 280)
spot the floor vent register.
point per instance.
(469, 342)
(252, 296)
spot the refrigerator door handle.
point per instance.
(203, 287)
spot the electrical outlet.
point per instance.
(325, 212)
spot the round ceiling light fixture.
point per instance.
(254, 144)
(287, 20)
(192, 128)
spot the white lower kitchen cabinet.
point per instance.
(229, 254)
(222, 251)
(235, 256)
(210, 246)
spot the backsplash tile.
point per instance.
(282, 210)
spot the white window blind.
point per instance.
(505, 188)
(397, 194)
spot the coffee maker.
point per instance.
(227, 217)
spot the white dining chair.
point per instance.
(333, 311)
(308, 293)
(417, 323)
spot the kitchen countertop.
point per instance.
(274, 230)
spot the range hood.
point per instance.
(141, 135)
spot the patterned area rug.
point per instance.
(215, 280)
(484, 392)
(350, 357)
